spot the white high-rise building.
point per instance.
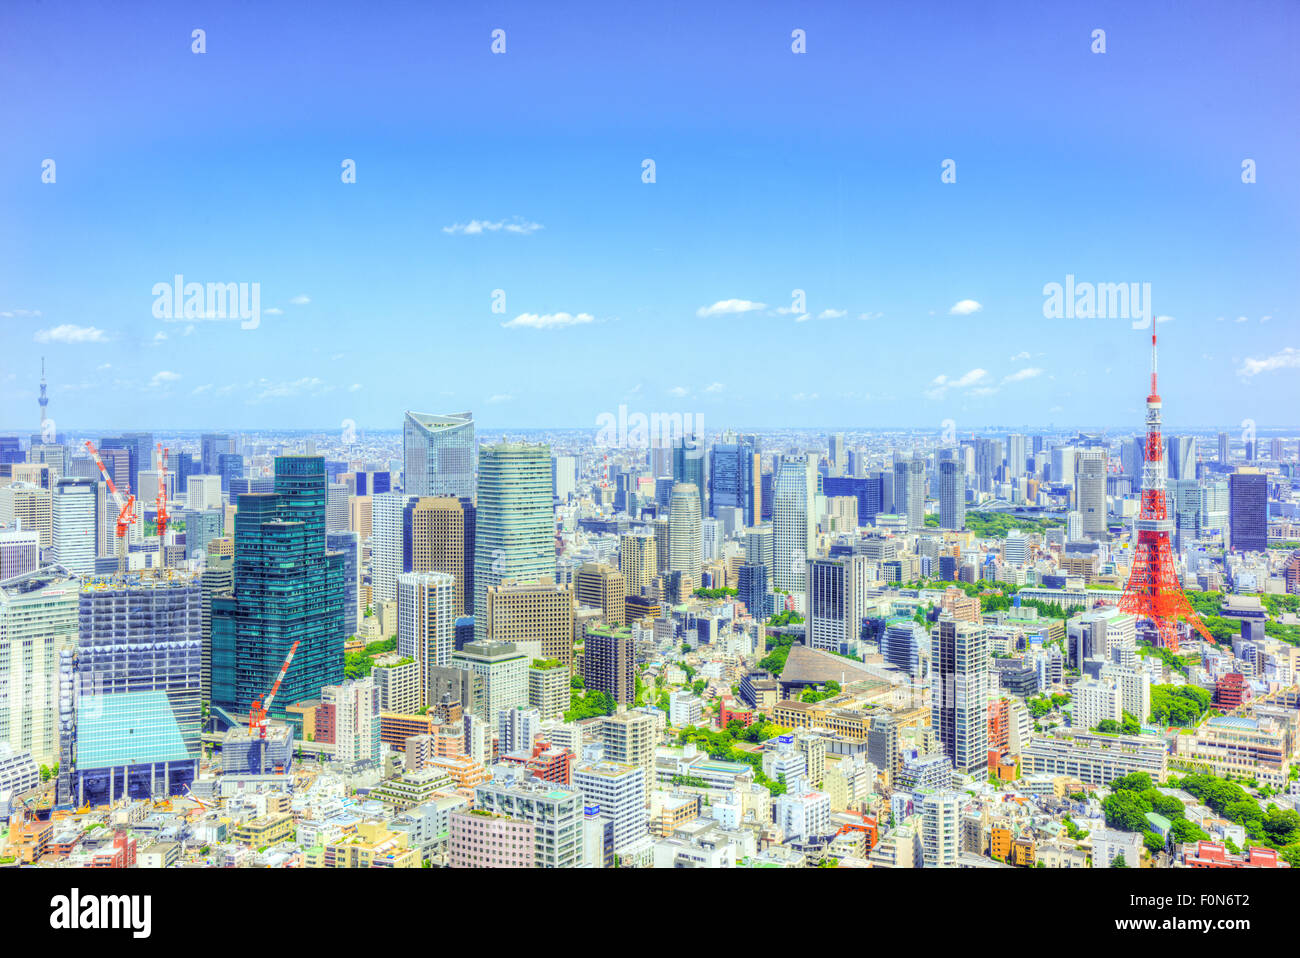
(837, 597)
(426, 621)
(203, 492)
(941, 828)
(620, 791)
(684, 533)
(1064, 464)
(1090, 491)
(20, 552)
(73, 538)
(356, 720)
(390, 532)
(564, 476)
(794, 531)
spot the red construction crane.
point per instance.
(259, 712)
(125, 509)
(162, 495)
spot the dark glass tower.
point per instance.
(287, 588)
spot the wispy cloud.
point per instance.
(164, 377)
(1287, 358)
(714, 388)
(500, 397)
(1030, 372)
(302, 299)
(517, 225)
(964, 307)
(69, 333)
(678, 391)
(20, 313)
(725, 307)
(1019, 356)
(548, 320)
(942, 384)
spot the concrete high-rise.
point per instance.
(72, 527)
(1090, 491)
(960, 689)
(952, 494)
(390, 543)
(909, 492)
(602, 587)
(735, 478)
(442, 540)
(637, 560)
(684, 546)
(426, 616)
(515, 527)
(836, 601)
(540, 611)
(794, 527)
(609, 663)
(438, 454)
(1248, 510)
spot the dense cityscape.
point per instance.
(645, 646)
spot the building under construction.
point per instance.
(129, 709)
(245, 752)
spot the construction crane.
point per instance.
(162, 491)
(258, 713)
(125, 508)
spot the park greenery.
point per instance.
(779, 651)
(589, 705)
(359, 664)
(1129, 725)
(1178, 704)
(1133, 797)
(720, 593)
(812, 696)
(720, 745)
(1041, 705)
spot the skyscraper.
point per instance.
(688, 466)
(836, 596)
(839, 457)
(72, 526)
(349, 546)
(288, 589)
(515, 527)
(1090, 491)
(442, 540)
(1248, 511)
(438, 454)
(1225, 448)
(952, 494)
(637, 560)
(735, 478)
(426, 622)
(909, 492)
(793, 524)
(960, 694)
(391, 543)
(1017, 455)
(684, 535)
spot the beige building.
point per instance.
(637, 560)
(438, 543)
(531, 612)
(361, 516)
(30, 504)
(602, 586)
(629, 738)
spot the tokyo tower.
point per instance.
(1153, 591)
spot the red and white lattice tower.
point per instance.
(1153, 591)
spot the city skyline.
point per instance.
(769, 181)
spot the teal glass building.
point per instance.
(288, 588)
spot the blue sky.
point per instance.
(774, 172)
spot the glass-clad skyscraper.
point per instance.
(515, 529)
(438, 454)
(288, 588)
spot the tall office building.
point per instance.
(836, 599)
(684, 545)
(609, 663)
(211, 446)
(1090, 491)
(1181, 457)
(564, 477)
(988, 463)
(438, 454)
(540, 611)
(735, 478)
(1017, 455)
(760, 548)
(751, 588)
(29, 505)
(952, 494)
(349, 546)
(38, 623)
(201, 527)
(288, 589)
(131, 718)
(515, 528)
(554, 811)
(216, 578)
(426, 617)
(794, 527)
(909, 492)
(1248, 511)
(356, 720)
(390, 543)
(621, 792)
(20, 552)
(688, 467)
(637, 560)
(336, 507)
(602, 587)
(1225, 448)
(1065, 464)
(442, 540)
(73, 525)
(960, 689)
(839, 458)
(940, 813)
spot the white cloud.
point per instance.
(804, 397)
(1288, 358)
(1242, 319)
(724, 307)
(102, 366)
(69, 333)
(20, 313)
(1029, 372)
(964, 307)
(832, 314)
(500, 397)
(354, 387)
(548, 320)
(266, 389)
(274, 311)
(302, 299)
(1164, 319)
(870, 316)
(1019, 356)
(159, 336)
(678, 391)
(941, 384)
(714, 388)
(518, 225)
(163, 377)
(197, 390)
